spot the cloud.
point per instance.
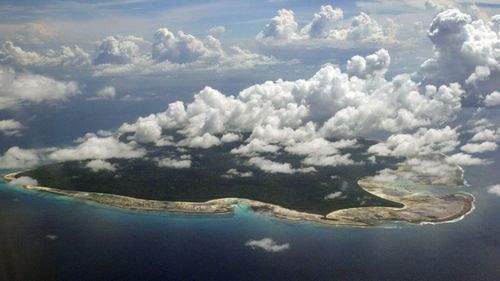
(147, 131)
(328, 160)
(492, 99)
(281, 27)
(311, 117)
(118, 50)
(467, 52)
(16, 157)
(337, 103)
(204, 141)
(436, 170)
(302, 117)
(183, 162)
(423, 141)
(468, 7)
(106, 93)
(32, 33)
(230, 137)
(385, 175)
(494, 189)
(119, 55)
(319, 146)
(482, 127)
(98, 148)
(268, 245)
(100, 165)
(89, 147)
(326, 26)
(255, 146)
(67, 56)
(272, 167)
(365, 29)
(436, 8)
(10, 127)
(479, 147)
(131, 98)
(375, 64)
(234, 173)
(463, 159)
(388, 105)
(21, 88)
(24, 181)
(172, 52)
(217, 30)
(285, 135)
(51, 237)
(182, 47)
(321, 152)
(11, 54)
(323, 22)
(427, 170)
(333, 195)
(486, 135)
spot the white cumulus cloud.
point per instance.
(234, 173)
(16, 157)
(98, 148)
(217, 30)
(424, 141)
(467, 52)
(479, 147)
(492, 99)
(326, 26)
(486, 135)
(273, 167)
(184, 161)
(171, 52)
(268, 245)
(118, 50)
(100, 165)
(494, 189)
(67, 56)
(25, 181)
(333, 195)
(106, 93)
(22, 88)
(463, 159)
(10, 127)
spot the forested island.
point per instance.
(217, 180)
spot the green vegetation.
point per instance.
(142, 178)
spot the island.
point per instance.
(368, 193)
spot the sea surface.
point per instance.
(49, 237)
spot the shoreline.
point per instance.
(352, 217)
(219, 206)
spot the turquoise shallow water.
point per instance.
(47, 237)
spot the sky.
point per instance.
(306, 78)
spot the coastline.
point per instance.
(417, 209)
(211, 207)
(455, 208)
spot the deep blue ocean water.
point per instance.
(48, 237)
